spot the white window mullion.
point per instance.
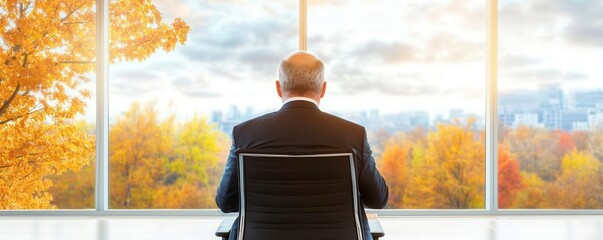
(102, 106)
(303, 25)
(491, 105)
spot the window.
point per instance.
(183, 73)
(411, 72)
(171, 115)
(550, 105)
(47, 106)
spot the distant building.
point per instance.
(525, 119)
(595, 118)
(588, 99)
(573, 120)
(518, 102)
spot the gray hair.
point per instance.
(301, 72)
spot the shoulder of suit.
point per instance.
(343, 121)
(331, 117)
(253, 120)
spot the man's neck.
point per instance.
(300, 98)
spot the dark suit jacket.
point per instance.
(300, 125)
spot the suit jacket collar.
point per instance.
(299, 104)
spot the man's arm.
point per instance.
(373, 189)
(227, 196)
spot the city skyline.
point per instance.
(369, 66)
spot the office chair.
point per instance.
(300, 195)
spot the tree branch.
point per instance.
(78, 62)
(20, 116)
(27, 175)
(6, 166)
(79, 22)
(70, 13)
(7, 103)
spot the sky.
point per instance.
(389, 55)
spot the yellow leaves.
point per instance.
(155, 162)
(443, 171)
(580, 164)
(135, 35)
(48, 50)
(36, 151)
(579, 185)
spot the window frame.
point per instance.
(102, 139)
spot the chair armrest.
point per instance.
(224, 229)
(376, 230)
(375, 225)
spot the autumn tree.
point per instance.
(157, 163)
(459, 154)
(193, 175)
(48, 51)
(509, 177)
(138, 151)
(75, 189)
(420, 191)
(393, 167)
(565, 143)
(594, 144)
(534, 150)
(578, 186)
(533, 194)
(581, 139)
(443, 169)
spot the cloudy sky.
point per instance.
(390, 55)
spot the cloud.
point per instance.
(198, 87)
(586, 31)
(586, 25)
(262, 60)
(509, 61)
(442, 47)
(449, 47)
(133, 82)
(245, 44)
(549, 75)
(320, 3)
(578, 22)
(395, 52)
(353, 80)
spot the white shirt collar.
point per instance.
(300, 99)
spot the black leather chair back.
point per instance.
(298, 196)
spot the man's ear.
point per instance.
(324, 89)
(278, 89)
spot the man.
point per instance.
(300, 124)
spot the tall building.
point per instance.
(573, 120)
(588, 99)
(517, 108)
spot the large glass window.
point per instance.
(550, 105)
(171, 114)
(413, 73)
(47, 106)
(184, 72)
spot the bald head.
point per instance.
(301, 74)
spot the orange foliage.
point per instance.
(509, 177)
(460, 159)
(48, 52)
(445, 170)
(394, 169)
(156, 163)
(565, 144)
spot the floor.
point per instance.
(406, 228)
